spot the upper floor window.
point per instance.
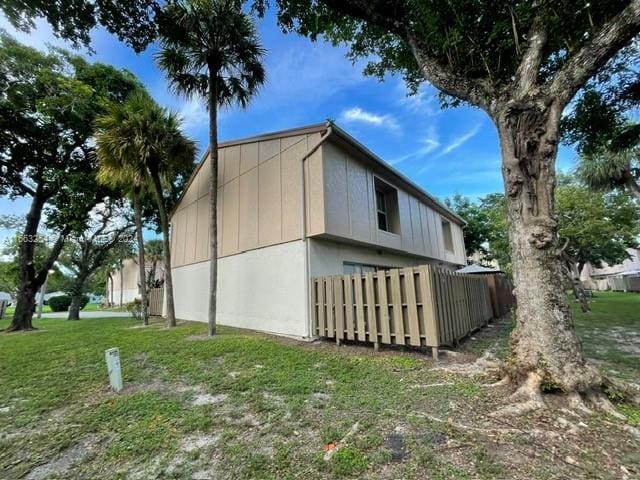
(387, 207)
(447, 236)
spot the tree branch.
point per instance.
(396, 22)
(613, 35)
(527, 73)
(53, 256)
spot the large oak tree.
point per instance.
(48, 103)
(521, 62)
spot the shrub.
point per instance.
(60, 303)
(135, 308)
(83, 301)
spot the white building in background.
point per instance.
(294, 205)
(604, 278)
(123, 283)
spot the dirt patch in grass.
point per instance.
(61, 464)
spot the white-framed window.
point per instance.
(447, 236)
(387, 214)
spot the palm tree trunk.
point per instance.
(166, 249)
(213, 199)
(121, 282)
(137, 211)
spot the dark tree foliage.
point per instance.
(48, 105)
(475, 230)
(132, 21)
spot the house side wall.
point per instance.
(327, 257)
(350, 207)
(262, 289)
(260, 199)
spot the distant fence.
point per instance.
(417, 306)
(156, 299)
(624, 284)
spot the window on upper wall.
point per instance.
(387, 207)
(447, 236)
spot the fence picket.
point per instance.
(348, 300)
(340, 306)
(384, 306)
(371, 307)
(396, 298)
(360, 326)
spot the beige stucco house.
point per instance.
(293, 205)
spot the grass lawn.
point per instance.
(249, 406)
(89, 307)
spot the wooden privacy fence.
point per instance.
(501, 292)
(156, 299)
(417, 306)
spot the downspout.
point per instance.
(307, 265)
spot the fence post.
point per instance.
(429, 314)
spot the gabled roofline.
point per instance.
(342, 134)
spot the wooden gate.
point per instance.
(156, 299)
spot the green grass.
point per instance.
(252, 406)
(610, 332)
(89, 307)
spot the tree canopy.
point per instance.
(132, 21)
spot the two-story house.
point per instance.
(294, 205)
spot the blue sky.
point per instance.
(444, 151)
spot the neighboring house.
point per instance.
(294, 205)
(123, 284)
(602, 278)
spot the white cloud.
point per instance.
(357, 114)
(460, 140)
(424, 101)
(430, 143)
(194, 114)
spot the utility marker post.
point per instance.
(112, 356)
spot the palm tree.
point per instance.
(145, 144)
(119, 171)
(612, 169)
(210, 49)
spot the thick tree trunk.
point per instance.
(74, 308)
(137, 210)
(76, 295)
(213, 200)
(544, 345)
(27, 285)
(166, 250)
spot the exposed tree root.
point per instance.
(526, 398)
(488, 364)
